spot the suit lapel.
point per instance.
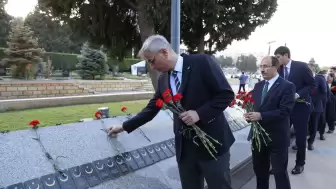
(185, 73)
(281, 71)
(165, 82)
(271, 91)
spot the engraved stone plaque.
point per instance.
(130, 161)
(16, 186)
(138, 159)
(102, 170)
(50, 182)
(65, 180)
(34, 184)
(91, 174)
(146, 157)
(113, 167)
(79, 178)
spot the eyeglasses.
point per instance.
(264, 66)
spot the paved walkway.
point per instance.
(320, 170)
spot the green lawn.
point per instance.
(17, 120)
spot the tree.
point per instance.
(225, 61)
(247, 63)
(4, 24)
(23, 51)
(122, 25)
(216, 23)
(52, 34)
(92, 63)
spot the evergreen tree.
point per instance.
(23, 51)
(92, 63)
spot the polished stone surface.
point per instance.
(21, 157)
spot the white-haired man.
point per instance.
(206, 94)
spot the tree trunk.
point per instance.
(146, 29)
(201, 45)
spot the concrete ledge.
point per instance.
(21, 104)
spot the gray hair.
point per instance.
(154, 44)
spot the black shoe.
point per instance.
(330, 131)
(310, 147)
(298, 169)
(322, 137)
(294, 147)
(271, 172)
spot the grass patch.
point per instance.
(17, 120)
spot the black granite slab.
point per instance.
(34, 184)
(91, 174)
(50, 182)
(79, 178)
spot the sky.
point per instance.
(306, 26)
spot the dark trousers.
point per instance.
(261, 165)
(330, 113)
(193, 171)
(300, 120)
(322, 123)
(315, 118)
(241, 86)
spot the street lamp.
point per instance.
(269, 47)
(175, 25)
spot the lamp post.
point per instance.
(175, 25)
(269, 47)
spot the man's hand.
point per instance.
(115, 130)
(253, 116)
(246, 117)
(189, 117)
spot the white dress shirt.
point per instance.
(272, 81)
(178, 68)
(288, 66)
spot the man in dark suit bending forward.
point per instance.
(274, 101)
(206, 94)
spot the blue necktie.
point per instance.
(177, 81)
(286, 73)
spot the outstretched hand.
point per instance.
(115, 130)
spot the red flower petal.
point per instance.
(177, 97)
(159, 103)
(98, 115)
(124, 108)
(34, 123)
(168, 99)
(166, 93)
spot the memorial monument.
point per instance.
(81, 155)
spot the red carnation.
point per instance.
(166, 93)
(98, 115)
(239, 104)
(177, 97)
(333, 88)
(34, 123)
(168, 99)
(124, 109)
(232, 103)
(159, 103)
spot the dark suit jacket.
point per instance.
(319, 94)
(302, 77)
(276, 110)
(205, 90)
